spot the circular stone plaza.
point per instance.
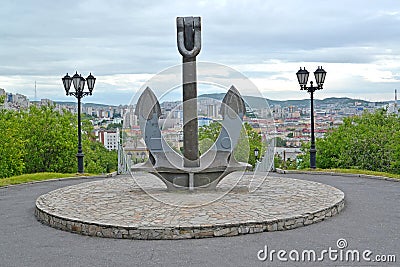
(141, 207)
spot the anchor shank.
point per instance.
(189, 45)
(190, 124)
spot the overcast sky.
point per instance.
(125, 43)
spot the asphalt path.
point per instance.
(369, 221)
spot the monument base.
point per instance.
(119, 208)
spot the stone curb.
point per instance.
(281, 171)
(60, 179)
(160, 233)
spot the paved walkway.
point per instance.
(370, 220)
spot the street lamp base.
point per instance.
(80, 156)
(313, 158)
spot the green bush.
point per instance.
(368, 142)
(42, 139)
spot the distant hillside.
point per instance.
(259, 102)
(252, 101)
(85, 104)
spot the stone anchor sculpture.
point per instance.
(190, 171)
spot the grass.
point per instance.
(26, 178)
(358, 171)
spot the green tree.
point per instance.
(42, 139)
(98, 159)
(12, 150)
(208, 134)
(369, 142)
(279, 142)
(304, 158)
(49, 140)
(2, 99)
(114, 126)
(244, 150)
(248, 142)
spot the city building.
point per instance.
(136, 148)
(393, 108)
(109, 138)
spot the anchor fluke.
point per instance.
(147, 105)
(233, 104)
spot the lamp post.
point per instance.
(79, 85)
(302, 77)
(256, 151)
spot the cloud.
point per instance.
(123, 41)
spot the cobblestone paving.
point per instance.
(120, 208)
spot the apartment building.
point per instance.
(109, 138)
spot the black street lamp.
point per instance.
(302, 77)
(79, 85)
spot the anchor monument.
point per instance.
(190, 171)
